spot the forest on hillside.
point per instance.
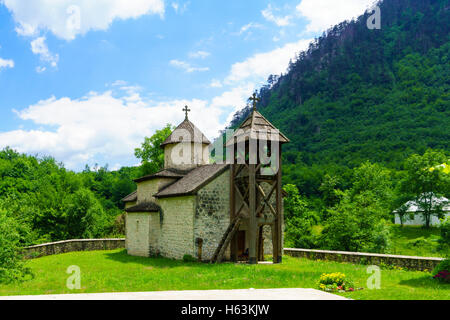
(358, 94)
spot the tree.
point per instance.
(444, 241)
(84, 216)
(11, 239)
(299, 219)
(331, 195)
(355, 225)
(427, 182)
(402, 212)
(374, 178)
(150, 153)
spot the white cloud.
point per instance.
(323, 14)
(199, 55)
(186, 66)
(80, 131)
(39, 47)
(68, 18)
(281, 34)
(40, 69)
(180, 8)
(6, 63)
(216, 84)
(248, 27)
(119, 83)
(261, 65)
(234, 99)
(280, 21)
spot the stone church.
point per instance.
(184, 210)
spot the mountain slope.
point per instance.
(360, 94)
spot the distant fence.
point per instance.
(48, 249)
(407, 262)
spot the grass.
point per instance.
(115, 271)
(415, 241)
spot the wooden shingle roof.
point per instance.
(131, 197)
(166, 173)
(257, 127)
(193, 181)
(144, 207)
(186, 132)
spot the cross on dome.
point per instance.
(186, 110)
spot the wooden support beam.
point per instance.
(274, 212)
(266, 199)
(274, 243)
(262, 221)
(279, 218)
(238, 192)
(252, 227)
(234, 241)
(261, 244)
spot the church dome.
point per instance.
(186, 148)
(186, 132)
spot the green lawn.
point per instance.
(415, 241)
(115, 271)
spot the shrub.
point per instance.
(189, 258)
(442, 271)
(444, 241)
(11, 265)
(420, 242)
(335, 282)
(355, 225)
(299, 220)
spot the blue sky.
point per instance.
(86, 81)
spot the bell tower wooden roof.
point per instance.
(258, 128)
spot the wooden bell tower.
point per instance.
(255, 185)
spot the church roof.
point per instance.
(193, 181)
(257, 127)
(144, 207)
(166, 173)
(131, 197)
(186, 132)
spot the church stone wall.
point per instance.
(147, 189)
(137, 234)
(212, 216)
(155, 233)
(174, 158)
(130, 204)
(177, 227)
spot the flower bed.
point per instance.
(336, 282)
(441, 272)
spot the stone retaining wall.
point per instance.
(48, 249)
(408, 262)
